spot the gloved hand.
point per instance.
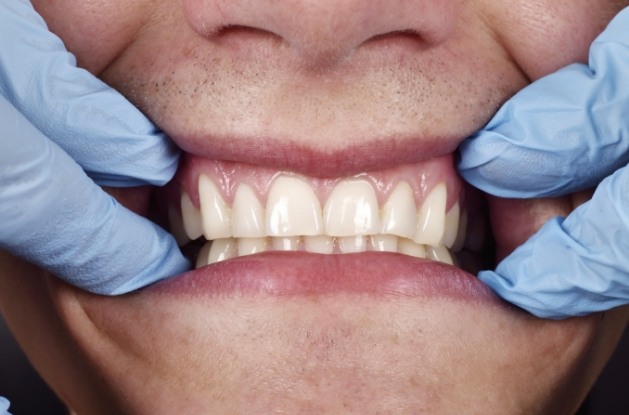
(59, 125)
(563, 133)
(4, 406)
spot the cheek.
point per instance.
(95, 31)
(545, 35)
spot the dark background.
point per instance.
(30, 396)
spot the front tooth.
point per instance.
(248, 246)
(431, 217)
(384, 243)
(352, 244)
(192, 221)
(408, 247)
(319, 244)
(399, 215)
(351, 209)
(216, 218)
(451, 229)
(289, 243)
(440, 254)
(292, 209)
(247, 214)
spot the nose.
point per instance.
(328, 29)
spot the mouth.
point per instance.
(413, 229)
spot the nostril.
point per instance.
(411, 38)
(241, 30)
(408, 33)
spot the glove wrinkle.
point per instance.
(553, 138)
(109, 137)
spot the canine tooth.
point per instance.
(351, 209)
(248, 246)
(214, 210)
(408, 247)
(191, 216)
(431, 217)
(292, 209)
(352, 244)
(439, 253)
(451, 227)
(319, 244)
(176, 226)
(399, 215)
(289, 243)
(383, 243)
(247, 214)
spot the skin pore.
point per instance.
(324, 89)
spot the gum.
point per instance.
(422, 178)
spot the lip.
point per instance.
(307, 159)
(277, 274)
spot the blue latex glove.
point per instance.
(61, 130)
(4, 406)
(564, 133)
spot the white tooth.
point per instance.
(247, 214)
(203, 256)
(292, 209)
(248, 246)
(319, 244)
(216, 218)
(461, 233)
(399, 215)
(191, 215)
(383, 243)
(431, 217)
(222, 249)
(352, 244)
(285, 243)
(451, 228)
(351, 209)
(440, 254)
(176, 226)
(408, 247)
(216, 251)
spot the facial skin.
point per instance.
(328, 89)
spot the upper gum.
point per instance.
(422, 177)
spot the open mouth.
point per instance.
(225, 213)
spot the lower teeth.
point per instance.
(224, 249)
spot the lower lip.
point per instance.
(306, 274)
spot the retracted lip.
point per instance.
(276, 274)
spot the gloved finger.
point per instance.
(575, 266)
(109, 137)
(562, 133)
(4, 406)
(54, 216)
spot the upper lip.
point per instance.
(337, 161)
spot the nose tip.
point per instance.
(327, 30)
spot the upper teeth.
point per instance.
(351, 220)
